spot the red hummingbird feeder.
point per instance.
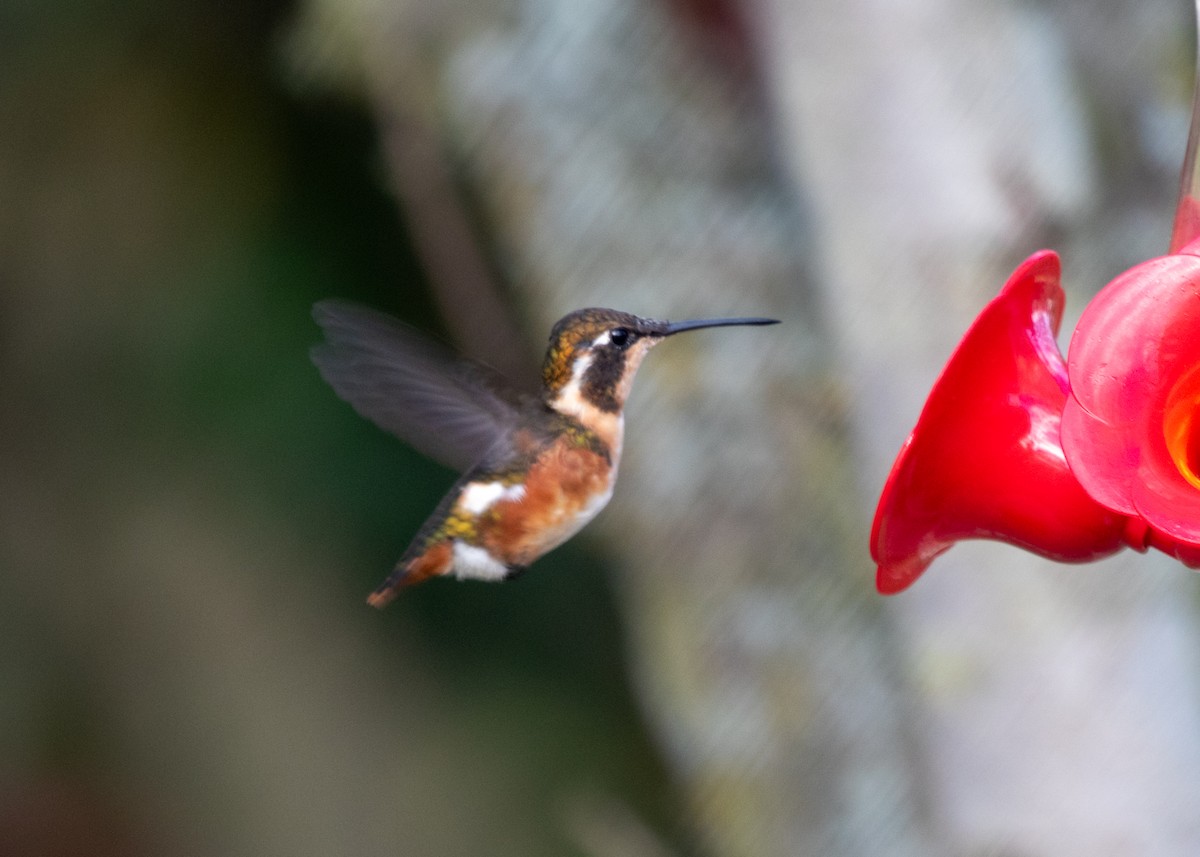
(1070, 459)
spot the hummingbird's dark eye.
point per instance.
(619, 337)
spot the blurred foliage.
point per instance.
(171, 211)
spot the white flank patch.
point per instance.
(475, 563)
(478, 497)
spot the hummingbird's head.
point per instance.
(592, 358)
(594, 354)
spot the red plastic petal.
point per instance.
(1131, 356)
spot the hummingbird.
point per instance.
(536, 467)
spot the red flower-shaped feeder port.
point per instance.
(985, 460)
(1131, 428)
(1068, 459)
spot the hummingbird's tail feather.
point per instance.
(408, 572)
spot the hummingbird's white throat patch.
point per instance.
(570, 401)
(570, 398)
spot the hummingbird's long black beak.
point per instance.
(673, 327)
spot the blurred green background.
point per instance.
(190, 520)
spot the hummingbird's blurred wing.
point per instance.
(451, 409)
